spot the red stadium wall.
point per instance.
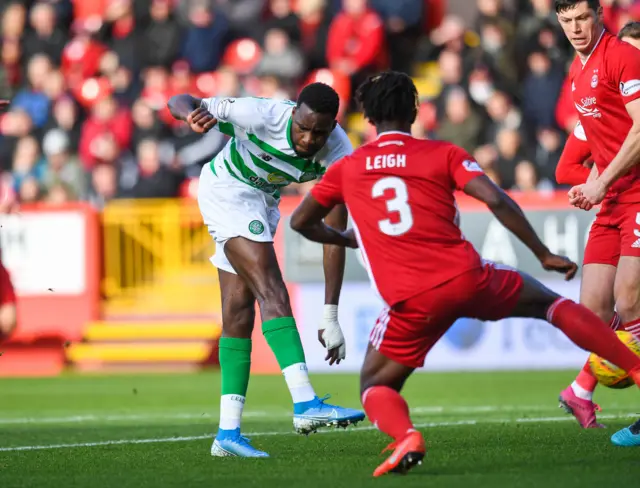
(53, 257)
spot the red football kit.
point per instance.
(400, 194)
(7, 292)
(571, 169)
(601, 87)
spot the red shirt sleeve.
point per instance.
(625, 63)
(566, 115)
(571, 169)
(462, 167)
(328, 191)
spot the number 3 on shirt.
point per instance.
(399, 204)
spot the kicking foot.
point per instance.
(407, 453)
(583, 410)
(232, 443)
(627, 437)
(308, 417)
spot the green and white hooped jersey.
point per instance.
(260, 152)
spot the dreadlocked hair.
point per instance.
(390, 96)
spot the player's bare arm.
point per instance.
(628, 156)
(188, 109)
(511, 216)
(334, 258)
(307, 220)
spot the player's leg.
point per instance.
(398, 344)
(627, 283)
(578, 323)
(596, 293)
(221, 203)
(381, 380)
(627, 293)
(234, 349)
(256, 263)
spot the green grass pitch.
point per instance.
(482, 429)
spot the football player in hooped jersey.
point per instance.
(273, 143)
(605, 81)
(400, 194)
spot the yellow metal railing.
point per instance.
(156, 258)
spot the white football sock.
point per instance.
(297, 378)
(581, 392)
(231, 407)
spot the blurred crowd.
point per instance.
(89, 81)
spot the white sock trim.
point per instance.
(231, 407)
(581, 392)
(297, 378)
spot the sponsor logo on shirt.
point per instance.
(586, 109)
(276, 179)
(472, 166)
(628, 88)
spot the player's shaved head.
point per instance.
(389, 98)
(313, 118)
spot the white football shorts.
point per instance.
(231, 208)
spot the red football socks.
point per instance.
(388, 411)
(586, 330)
(585, 378)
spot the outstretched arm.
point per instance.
(188, 109)
(307, 220)
(511, 216)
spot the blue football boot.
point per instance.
(627, 437)
(232, 443)
(309, 416)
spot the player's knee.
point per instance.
(238, 315)
(628, 305)
(602, 306)
(274, 300)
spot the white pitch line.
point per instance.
(265, 414)
(333, 431)
(129, 417)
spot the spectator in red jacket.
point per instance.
(106, 120)
(356, 41)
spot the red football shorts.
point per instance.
(406, 332)
(7, 293)
(614, 233)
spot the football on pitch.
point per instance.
(609, 374)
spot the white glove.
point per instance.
(330, 335)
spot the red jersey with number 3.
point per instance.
(400, 194)
(601, 87)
